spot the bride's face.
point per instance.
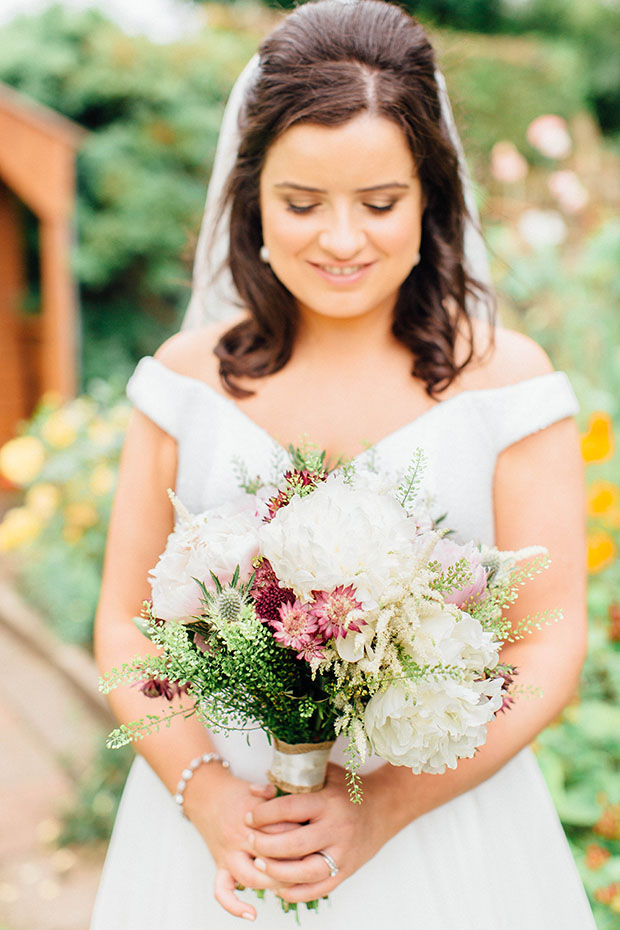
(341, 210)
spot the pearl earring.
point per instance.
(416, 259)
(264, 254)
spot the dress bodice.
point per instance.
(461, 438)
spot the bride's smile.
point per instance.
(341, 210)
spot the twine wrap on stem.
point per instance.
(299, 768)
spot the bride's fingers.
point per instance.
(263, 791)
(224, 891)
(310, 870)
(291, 844)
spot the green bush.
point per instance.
(153, 113)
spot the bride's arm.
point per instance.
(141, 520)
(538, 500)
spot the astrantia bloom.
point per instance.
(295, 627)
(268, 595)
(337, 611)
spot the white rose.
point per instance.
(432, 724)
(215, 541)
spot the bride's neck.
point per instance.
(328, 341)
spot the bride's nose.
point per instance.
(343, 236)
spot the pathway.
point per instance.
(51, 721)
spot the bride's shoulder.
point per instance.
(503, 357)
(190, 352)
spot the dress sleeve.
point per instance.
(158, 392)
(518, 410)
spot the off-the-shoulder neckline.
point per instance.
(401, 430)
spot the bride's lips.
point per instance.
(342, 274)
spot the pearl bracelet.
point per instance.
(188, 773)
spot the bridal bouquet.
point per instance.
(332, 606)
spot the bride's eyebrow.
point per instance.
(390, 185)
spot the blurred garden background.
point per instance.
(535, 86)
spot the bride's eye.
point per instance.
(297, 208)
(380, 208)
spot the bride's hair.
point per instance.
(326, 63)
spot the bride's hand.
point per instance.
(218, 805)
(327, 822)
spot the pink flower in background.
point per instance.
(333, 611)
(448, 553)
(568, 190)
(549, 134)
(296, 627)
(507, 163)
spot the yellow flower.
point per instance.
(603, 497)
(22, 459)
(43, 500)
(59, 430)
(72, 534)
(81, 514)
(119, 416)
(602, 551)
(597, 444)
(101, 433)
(101, 480)
(19, 527)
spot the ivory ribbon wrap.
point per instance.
(299, 768)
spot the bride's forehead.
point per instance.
(363, 147)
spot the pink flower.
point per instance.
(549, 134)
(448, 553)
(333, 611)
(296, 628)
(507, 163)
(568, 191)
(314, 650)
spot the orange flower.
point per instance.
(603, 498)
(596, 856)
(608, 824)
(597, 444)
(610, 895)
(602, 551)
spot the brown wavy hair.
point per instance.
(327, 62)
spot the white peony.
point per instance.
(215, 541)
(432, 724)
(449, 636)
(339, 535)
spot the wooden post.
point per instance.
(13, 402)
(59, 318)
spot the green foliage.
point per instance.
(153, 112)
(91, 815)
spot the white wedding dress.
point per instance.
(494, 858)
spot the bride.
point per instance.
(357, 281)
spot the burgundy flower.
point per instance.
(509, 677)
(268, 595)
(162, 687)
(333, 611)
